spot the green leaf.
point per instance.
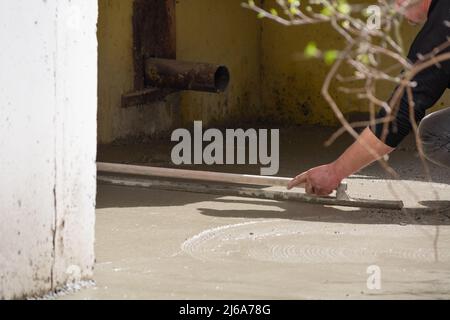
(294, 10)
(330, 56)
(344, 8)
(345, 24)
(327, 11)
(364, 58)
(311, 50)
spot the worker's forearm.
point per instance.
(357, 157)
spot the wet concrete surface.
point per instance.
(176, 245)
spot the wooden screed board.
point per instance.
(210, 182)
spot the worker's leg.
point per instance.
(435, 134)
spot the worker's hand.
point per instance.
(320, 181)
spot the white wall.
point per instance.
(48, 106)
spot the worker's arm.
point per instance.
(430, 85)
(325, 179)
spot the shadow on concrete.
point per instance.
(434, 213)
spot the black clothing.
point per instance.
(431, 83)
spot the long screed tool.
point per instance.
(209, 182)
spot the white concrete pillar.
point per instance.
(48, 107)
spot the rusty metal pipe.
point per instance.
(181, 75)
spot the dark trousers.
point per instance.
(434, 131)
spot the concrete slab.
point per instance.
(166, 245)
(175, 245)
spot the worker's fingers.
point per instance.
(298, 180)
(310, 189)
(322, 192)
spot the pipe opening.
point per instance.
(221, 78)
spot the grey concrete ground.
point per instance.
(172, 245)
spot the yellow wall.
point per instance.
(269, 81)
(291, 84)
(221, 32)
(207, 31)
(116, 77)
